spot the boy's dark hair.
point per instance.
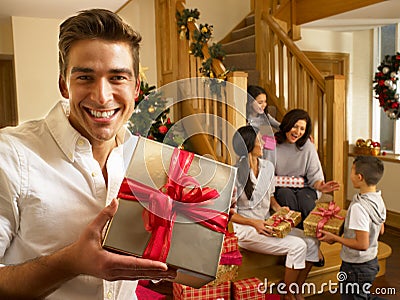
(96, 24)
(288, 121)
(370, 167)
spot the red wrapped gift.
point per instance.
(176, 214)
(231, 258)
(249, 289)
(144, 293)
(289, 181)
(220, 292)
(269, 142)
(230, 243)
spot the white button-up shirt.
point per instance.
(51, 187)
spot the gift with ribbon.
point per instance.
(177, 215)
(289, 181)
(282, 222)
(326, 216)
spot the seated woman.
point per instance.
(296, 156)
(255, 186)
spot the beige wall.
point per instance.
(36, 65)
(224, 17)
(140, 15)
(359, 45)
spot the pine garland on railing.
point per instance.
(182, 19)
(201, 37)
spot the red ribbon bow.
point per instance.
(278, 219)
(181, 194)
(327, 214)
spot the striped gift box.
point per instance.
(246, 289)
(289, 181)
(230, 243)
(217, 292)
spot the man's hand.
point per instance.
(88, 257)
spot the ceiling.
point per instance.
(54, 9)
(383, 13)
(387, 12)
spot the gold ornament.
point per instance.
(204, 30)
(151, 109)
(190, 19)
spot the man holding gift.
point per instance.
(363, 224)
(59, 175)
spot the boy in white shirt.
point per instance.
(364, 222)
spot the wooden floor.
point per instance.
(391, 280)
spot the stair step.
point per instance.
(246, 44)
(241, 61)
(262, 267)
(250, 20)
(243, 32)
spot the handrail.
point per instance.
(217, 66)
(300, 56)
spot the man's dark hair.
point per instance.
(96, 24)
(370, 167)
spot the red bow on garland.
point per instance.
(181, 194)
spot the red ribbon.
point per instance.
(182, 194)
(327, 214)
(278, 219)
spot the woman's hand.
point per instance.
(327, 187)
(260, 226)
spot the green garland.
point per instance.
(201, 37)
(183, 18)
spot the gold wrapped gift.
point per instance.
(225, 273)
(282, 222)
(156, 176)
(326, 216)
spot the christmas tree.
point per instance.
(150, 117)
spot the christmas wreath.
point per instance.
(385, 86)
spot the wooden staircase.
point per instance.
(239, 46)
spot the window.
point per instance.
(385, 130)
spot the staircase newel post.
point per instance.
(336, 134)
(236, 99)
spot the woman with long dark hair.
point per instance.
(255, 188)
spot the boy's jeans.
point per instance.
(358, 280)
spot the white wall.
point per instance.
(36, 65)
(222, 15)
(359, 45)
(140, 15)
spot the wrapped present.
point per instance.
(208, 292)
(269, 142)
(231, 258)
(289, 181)
(230, 243)
(144, 293)
(282, 222)
(176, 214)
(326, 216)
(251, 288)
(225, 273)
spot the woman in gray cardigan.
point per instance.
(296, 156)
